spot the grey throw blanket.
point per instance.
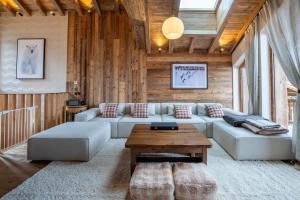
(272, 131)
(237, 120)
(262, 123)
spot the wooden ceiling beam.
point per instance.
(78, 7)
(175, 12)
(135, 10)
(96, 7)
(9, 9)
(171, 46)
(40, 7)
(23, 7)
(58, 7)
(246, 25)
(192, 45)
(215, 42)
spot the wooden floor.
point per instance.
(15, 169)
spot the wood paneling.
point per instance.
(104, 57)
(219, 80)
(49, 112)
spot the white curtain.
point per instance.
(252, 63)
(282, 20)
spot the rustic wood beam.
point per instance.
(246, 25)
(135, 9)
(175, 12)
(215, 42)
(58, 7)
(147, 29)
(40, 7)
(171, 46)
(97, 7)
(192, 45)
(186, 57)
(77, 7)
(8, 9)
(23, 7)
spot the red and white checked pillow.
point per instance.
(110, 110)
(214, 110)
(140, 110)
(183, 112)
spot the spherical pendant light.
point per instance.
(173, 28)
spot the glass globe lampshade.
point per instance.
(173, 28)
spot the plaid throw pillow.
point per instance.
(140, 110)
(110, 110)
(183, 112)
(214, 110)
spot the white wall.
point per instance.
(55, 30)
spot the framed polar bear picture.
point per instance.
(31, 58)
(189, 76)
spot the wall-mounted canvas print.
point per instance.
(189, 76)
(31, 58)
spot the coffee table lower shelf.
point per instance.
(136, 152)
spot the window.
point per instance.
(198, 4)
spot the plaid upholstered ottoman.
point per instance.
(152, 181)
(193, 181)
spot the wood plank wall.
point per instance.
(104, 58)
(219, 79)
(49, 112)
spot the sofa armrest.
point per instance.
(87, 115)
(229, 111)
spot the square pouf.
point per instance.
(193, 182)
(152, 181)
(72, 141)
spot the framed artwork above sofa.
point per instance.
(189, 76)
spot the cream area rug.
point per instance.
(107, 176)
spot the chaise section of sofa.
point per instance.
(242, 144)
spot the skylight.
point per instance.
(198, 4)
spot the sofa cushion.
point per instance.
(130, 119)
(209, 124)
(214, 111)
(110, 110)
(140, 110)
(121, 108)
(153, 108)
(201, 108)
(242, 144)
(113, 123)
(194, 119)
(183, 112)
(164, 107)
(78, 141)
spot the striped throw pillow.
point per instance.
(214, 110)
(110, 110)
(140, 110)
(183, 112)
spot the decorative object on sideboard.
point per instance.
(189, 76)
(76, 99)
(30, 58)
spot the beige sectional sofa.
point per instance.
(240, 143)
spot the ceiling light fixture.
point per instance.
(173, 28)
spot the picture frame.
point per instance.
(30, 58)
(189, 76)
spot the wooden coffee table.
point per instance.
(187, 139)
